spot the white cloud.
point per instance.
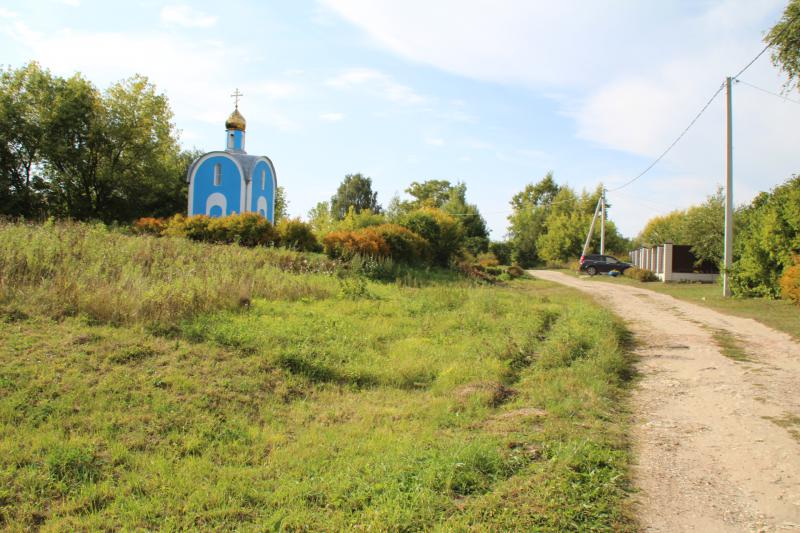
(331, 117)
(377, 82)
(630, 75)
(186, 16)
(179, 66)
(570, 41)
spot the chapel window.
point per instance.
(217, 175)
(263, 179)
(231, 140)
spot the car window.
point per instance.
(610, 259)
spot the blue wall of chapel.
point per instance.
(238, 140)
(230, 185)
(267, 192)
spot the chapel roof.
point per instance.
(236, 121)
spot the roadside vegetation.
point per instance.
(284, 390)
(781, 315)
(730, 346)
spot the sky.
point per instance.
(492, 93)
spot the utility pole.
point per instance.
(728, 260)
(591, 231)
(603, 222)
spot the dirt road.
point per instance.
(716, 440)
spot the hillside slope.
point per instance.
(318, 400)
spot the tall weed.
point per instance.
(72, 268)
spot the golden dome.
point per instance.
(236, 121)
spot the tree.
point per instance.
(567, 222)
(68, 150)
(355, 191)
(441, 230)
(321, 219)
(701, 226)
(430, 193)
(25, 96)
(474, 230)
(527, 220)
(281, 204)
(767, 240)
(564, 228)
(784, 38)
(667, 228)
(705, 228)
(134, 159)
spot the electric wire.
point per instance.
(769, 44)
(699, 114)
(782, 97)
(671, 146)
(747, 66)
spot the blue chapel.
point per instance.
(230, 181)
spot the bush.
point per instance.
(354, 221)
(502, 251)
(515, 271)
(640, 274)
(476, 244)
(247, 229)
(404, 245)
(768, 235)
(149, 226)
(441, 230)
(790, 282)
(347, 244)
(297, 235)
(474, 271)
(488, 259)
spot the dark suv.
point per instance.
(594, 263)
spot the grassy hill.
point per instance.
(160, 383)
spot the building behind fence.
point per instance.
(674, 262)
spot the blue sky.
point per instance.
(491, 93)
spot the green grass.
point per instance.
(448, 407)
(789, 422)
(778, 314)
(730, 345)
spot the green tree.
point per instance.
(356, 192)
(567, 223)
(281, 204)
(705, 228)
(701, 226)
(430, 193)
(784, 38)
(321, 219)
(767, 238)
(26, 95)
(452, 199)
(68, 150)
(565, 228)
(667, 228)
(441, 230)
(527, 220)
(474, 230)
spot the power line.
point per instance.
(747, 66)
(782, 97)
(769, 44)
(671, 146)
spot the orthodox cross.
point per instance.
(236, 96)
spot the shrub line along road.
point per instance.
(716, 441)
